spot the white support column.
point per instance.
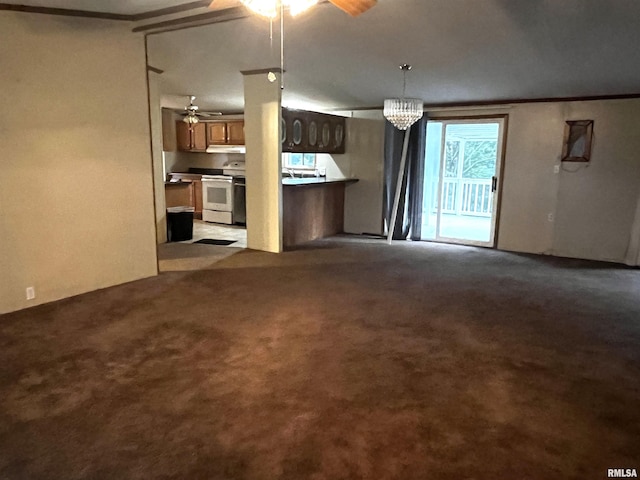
(396, 199)
(262, 118)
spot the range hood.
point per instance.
(226, 149)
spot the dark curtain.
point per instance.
(409, 219)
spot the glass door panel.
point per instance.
(469, 161)
(431, 181)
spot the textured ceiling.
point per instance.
(461, 51)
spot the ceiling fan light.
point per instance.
(191, 118)
(266, 8)
(270, 8)
(403, 112)
(299, 6)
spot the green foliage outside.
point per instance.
(479, 158)
(452, 155)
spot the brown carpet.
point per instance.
(342, 360)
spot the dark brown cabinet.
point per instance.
(191, 137)
(312, 132)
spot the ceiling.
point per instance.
(121, 7)
(462, 51)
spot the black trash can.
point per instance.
(179, 224)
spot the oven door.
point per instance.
(217, 193)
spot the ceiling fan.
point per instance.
(191, 113)
(270, 8)
(354, 7)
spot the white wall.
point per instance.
(76, 195)
(363, 159)
(593, 206)
(597, 202)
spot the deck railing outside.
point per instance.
(466, 196)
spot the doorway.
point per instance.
(463, 159)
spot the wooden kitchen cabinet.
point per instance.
(178, 194)
(312, 210)
(191, 137)
(195, 198)
(216, 133)
(235, 132)
(225, 133)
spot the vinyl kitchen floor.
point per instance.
(202, 229)
(187, 255)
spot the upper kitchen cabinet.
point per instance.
(235, 132)
(216, 133)
(191, 137)
(294, 131)
(312, 132)
(225, 133)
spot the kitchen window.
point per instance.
(299, 160)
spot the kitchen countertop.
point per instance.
(303, 182)
(181, 182)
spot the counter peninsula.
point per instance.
(312, 208)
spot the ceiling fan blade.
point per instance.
(354, 7)
(223, 4)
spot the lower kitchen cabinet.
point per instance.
(178, 194)
(195, 195)
(197, 198)
(312, 209)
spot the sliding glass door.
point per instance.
(462, 166)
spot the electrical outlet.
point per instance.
(550, 217)
(31, 293)
(556, 169)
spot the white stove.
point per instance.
(223, 196)
(234, 169)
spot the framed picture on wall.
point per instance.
(578, 136)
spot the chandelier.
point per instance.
(403, 112)
(271, 8)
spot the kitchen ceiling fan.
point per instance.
(354, 7)
(191, 113)
(271, 8)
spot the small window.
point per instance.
(299, 160)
